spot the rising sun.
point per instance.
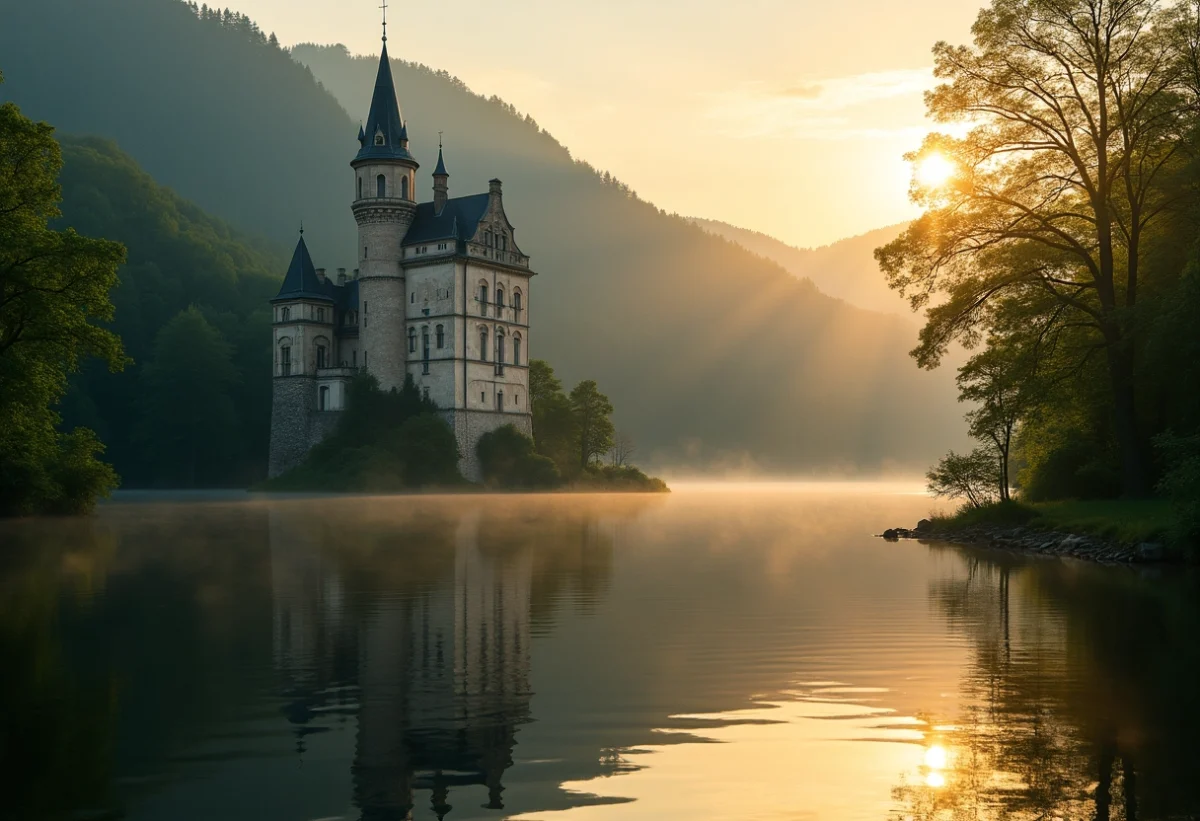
(934, 170)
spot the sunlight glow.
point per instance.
(935, 757)
(934, 170)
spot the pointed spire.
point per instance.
(301, 280)
(441, 181)
(385, 136)
(440, 171)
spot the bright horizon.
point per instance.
(794, 127)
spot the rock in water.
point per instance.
(924, 526)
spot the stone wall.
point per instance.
(296, 424)
(469, 426)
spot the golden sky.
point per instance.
(786, 116)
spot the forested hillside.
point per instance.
(193, 408)
(715, 356)
(845, 269)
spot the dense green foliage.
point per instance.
(210, 108)
(1128, 521)
(384, 441)
(1062, 249)
(54, 293)
(193, 273)
(508, 459)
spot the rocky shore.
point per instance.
(1040, 542)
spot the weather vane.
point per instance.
(384, 7)
(301, 227)
(439, 141)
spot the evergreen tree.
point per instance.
(592, 413)
(189, 425)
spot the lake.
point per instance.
(744, 652)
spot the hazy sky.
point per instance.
(786, 116)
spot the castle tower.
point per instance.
(385, 178)
(441, 184)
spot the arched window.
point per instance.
(324, 403)
(381, 186)
(404, 187)
(285, 313)
(483, 298)
(425, 349)
(412, 340)
(360, 188)
(499, 298)
(321, 356)
(500, 347)
(285, 360)
(517, 298)
(504, 242)
(441, 336)
(483, 349)
(517, 349)
(499, 400)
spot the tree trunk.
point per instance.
(1134, 480)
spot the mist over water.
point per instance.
(578, 656)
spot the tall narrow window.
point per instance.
(285, 361)
(483, 349)
(499, 400)
(381, 186)
(285, 313)
(404, 187)
(499, 299)
(425, 350)
(517, 349)
(517, 300)
(441, 336)
(360, 188)
(324, 403)
(483, 299)
(364, 359)
(320, 356)
(354, 358)
(499, 348)
(412, 340)
(320, 314)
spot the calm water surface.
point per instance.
(732, 653)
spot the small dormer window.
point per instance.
(378, 138)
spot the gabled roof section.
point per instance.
(384, 120)
(301, 280)
(458, 220)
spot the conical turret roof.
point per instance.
(384, 136)
(301, 280)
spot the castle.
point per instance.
(440, 294)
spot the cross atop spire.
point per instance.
(384, 7)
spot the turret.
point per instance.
(385, 175)
(441, 184)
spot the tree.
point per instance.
(553, 421)
(1080, 109)
(622, 450)
(591, 411)
(508, 460)
(974, 477)
(189, 425)
(54, 289)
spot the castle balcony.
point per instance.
(497, 255)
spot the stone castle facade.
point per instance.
(440, 294)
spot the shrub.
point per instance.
(508, 459)
(1181, 483)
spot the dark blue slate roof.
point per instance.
(302, 282)
(458, 221)
(440, 171)
(384, 119)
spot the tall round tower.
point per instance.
(384, 205)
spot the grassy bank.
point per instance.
(1125, 521)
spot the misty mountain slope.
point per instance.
(711, 354)
(845, 269)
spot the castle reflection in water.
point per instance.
(434, 670)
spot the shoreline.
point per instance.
(1037, 542)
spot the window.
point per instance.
(379, 141)
(354, 358)
(441, 336)
(364, 318)
(516, 399)
(499, 400)
(285, 361)
(517, 349)
(320, 356)
(404, 187)
(483, 299)
(482, 396)
(360, 188)
(487, 239)
(483, 349)
(499, 348)
(324, 401)
(380, 186)
(320, 314)
(364, 359)
(412, 340)
(499, 299)
(285, 314)
(425, 343)
(412, 298)
(517, 299)
(504, 242)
